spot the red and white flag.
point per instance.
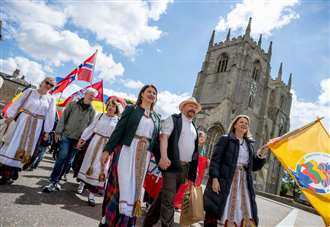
(86, 69)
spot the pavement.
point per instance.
(23, 204)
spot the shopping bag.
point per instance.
(192, 207)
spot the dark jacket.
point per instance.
(222, 166)
(174, 153)
(126, 128)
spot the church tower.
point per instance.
(235, 78)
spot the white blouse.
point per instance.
(102, 124)
(37, 104)
(145, 127)
(243, 155)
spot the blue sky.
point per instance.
(164, 43)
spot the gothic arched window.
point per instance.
(251, 101)
(256, 70)
(223, 62)
(213, 135)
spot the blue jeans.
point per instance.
(64, 160)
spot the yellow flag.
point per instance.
(305, 154)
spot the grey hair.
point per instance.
(92, 91)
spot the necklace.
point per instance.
(147, 113)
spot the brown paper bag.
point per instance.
(192, 207)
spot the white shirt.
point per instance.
(243, 155)
(187, 137)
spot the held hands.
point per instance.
(216, 185)
(81, 143)
(164, 163)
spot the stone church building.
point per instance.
(236, 79)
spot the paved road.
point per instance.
(23, 204)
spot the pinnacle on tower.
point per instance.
(228, 35)
(212, 39)
(260, 40)
(248, 28)
(290, 81)
(269, 53)
(279, 75)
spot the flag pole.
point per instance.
(289, 134)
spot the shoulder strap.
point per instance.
(100, 116)
(23, 103)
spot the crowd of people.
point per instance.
(110, 153)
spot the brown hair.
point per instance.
(139, 99)
(233, 123)
(113, 102)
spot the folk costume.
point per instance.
(134, 137)
(37, 115)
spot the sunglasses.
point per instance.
(49, 84)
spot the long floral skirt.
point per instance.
(110, 208)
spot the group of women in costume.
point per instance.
(119, 146)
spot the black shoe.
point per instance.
(91, 202)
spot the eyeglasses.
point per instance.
(49, 84)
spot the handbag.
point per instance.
(7, 130)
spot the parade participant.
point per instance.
(202, 166)
(35, 113)
(91, 174)
(229, 195)
(76, 117)
(203, 161)
(135, 135)
(178, 160)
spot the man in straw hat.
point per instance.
(76, 117)
(178, 159)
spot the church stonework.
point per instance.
(236, 79)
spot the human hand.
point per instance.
(46, 136)
(216, 185)
(57, 138)
(164, 163)
(80, 143)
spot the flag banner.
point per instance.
(64, 83)
(80, 94)
(86, 69)
(305, 154)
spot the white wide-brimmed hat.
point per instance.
(190, 100)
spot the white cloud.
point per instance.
(304, 112)
(132, 84)
(33, 71)
(266, 16)
(123, 25)
(168, 103)
(46, 40)
(111, 92)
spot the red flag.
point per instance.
(86, 69)
(60, 86)
(79, 94)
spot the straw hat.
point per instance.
(190, 100)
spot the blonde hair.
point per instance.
(231, 128)
(49, 78)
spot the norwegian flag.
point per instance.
(61, 85)
(79, 94)
(86, 69)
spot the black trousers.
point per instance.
(163, 207)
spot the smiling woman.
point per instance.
(131, 143)
(34, 115)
